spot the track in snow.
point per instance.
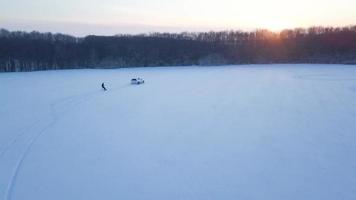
(237, 132)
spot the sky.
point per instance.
(109, 17)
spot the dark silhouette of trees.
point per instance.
(23, 51)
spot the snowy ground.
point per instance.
(259, 132)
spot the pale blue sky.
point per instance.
(107, 17)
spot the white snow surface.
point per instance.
(251, 132)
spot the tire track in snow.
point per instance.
(9, 190)
(18, 136)
(74, 100)
(54, 114)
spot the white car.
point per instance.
(137, 81)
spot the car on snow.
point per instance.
(137, 81)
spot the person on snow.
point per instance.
(103, 86)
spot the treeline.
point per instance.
(23, 51)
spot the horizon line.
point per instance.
(251, 30)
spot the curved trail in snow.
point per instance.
(69, 102)
(76, 99)
(23, 131)
(57, 110)
(16, 170)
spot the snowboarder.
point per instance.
(103, 86)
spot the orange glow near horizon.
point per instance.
(137, 16)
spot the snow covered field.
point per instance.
(258, 132)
